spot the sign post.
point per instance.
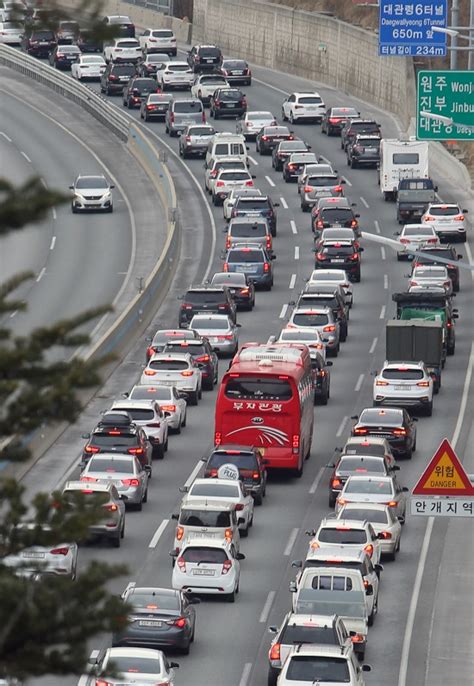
(450, 96)
(406, 28)
(444, 489)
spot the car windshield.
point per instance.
(304, 158)
(403, 374)
(68, 26)
(69, 48)
(161, 59)
(309, 319)
(309, 633)
(445, 211)
(242, 460)
(247, 230)
(154, 600)
(369, 486)
(230, 164)
(315, 669)
(433, 253)
(258, 388)
(42, 35)
(246, 255)
(119, 20)
(205, 297)
(204, 555)
(210, 323)
(104, 464)
(252, 204)
(362, 515)
(206, 518)
(164, 336)
(365, 448)
(142, 665)
(168, 365)
(139, 414)
(91, 182)
(215, 490)
(381, 417)
(193, 349)
(114, 439)
(310, 100)
(342, 536)
(361, 464)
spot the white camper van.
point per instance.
(401, 159)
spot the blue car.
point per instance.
(253, 260)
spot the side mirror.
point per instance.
(329, 363)
(464, 211)
(366, 668)
(395, 468)
(112, 185)
(369, 590)
(240, 556)
(396, 233)
(273, 257)
(292, 303)
(414, 419)
(86, 435)
(292, 586)
(310, 532)
(361, 249)
(357, 216)
(175, 665)
(353, 204)
(272, 630)
(253, 176)
(355, 416)
(378, 568)
(203, 459)
(342, 181)
(455, 315)
(173, 553)
(71, 188)
(276, 204)
(247, 147)
(194, 601)
(175, 516)
(240, 520)
(338, 450)
(265, 462)
(238, 326)
(309, 147)
(330, 465)
(401, 519)
(297, 564)
(405, 489)
(183, 489)
(180, 297)
(459, 257)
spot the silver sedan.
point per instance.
(251, 122)
(222, 333)
(124, 471)
(430, 276)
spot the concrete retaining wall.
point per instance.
(310, 45)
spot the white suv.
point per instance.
(158, 40)
(307, 106)
(404, 384)
(320, 664)
(348, 533)
(123, 50)
(149, 415)
(175, 369)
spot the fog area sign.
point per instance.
(450, 96)
(406, 28)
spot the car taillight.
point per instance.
(336, 483)
(213, 472)
(334, 120)
(269, 242)
(361, 431)
(459, 218)
(135, 451)
(379, 382)
(429, 218)
(354, 223)
(423, 384)
(225, 337)
(172, 117)
(151, 107)
(150, 351)
(187, 372)
(239, 507)
(295, 442)
(266, 267)
(91, 449)
(203, 117)
(168, 408)
(449, 325)
(314, 545)
(214, 173)
(219, 184)
(111, 507)
(217, 438)
(432, 240)
(227, 566)
(320, 257)
(249, 183)
(130, 482)
(59, 551)
(179, 533)
(217, 103)
(101, 682)
(264, 138)
(180, 622)
(244, 102)
(228, 535)
(386, 535)
(186, 307)
(88, 478)
(150, 372)
(320, 223)
(154, 425)
(225, 267)
(369, 549)
(60, 54)
(404, 240)
(392, 503)
(357, 638)
(330, 327)
(244, 291)
(341, 501)
(399, 432)
(292, 166)
(203, 358)
(181, 564)
(275, 653)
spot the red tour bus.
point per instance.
(266, 400)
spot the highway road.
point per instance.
(232, 640)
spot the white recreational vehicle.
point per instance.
(401, 159)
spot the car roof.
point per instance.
(149, 653)
(203, 504)
(86, 485)
(133, 404)
(330, 523)
(212, 317)
(313, 649)
(297, 619)
(368, 477)
(336, 553)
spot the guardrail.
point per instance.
(140, 311)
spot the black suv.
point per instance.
(329, 297)
(137, 90)
(206, 300)
(203, 356)
(86, 42)
(446, 252)
(227, 102)
(354, 127)
(248, 460)
(117, 433)
(321, 379)
(339, 255)
(116, 77)
(364, 151)
(122, 26)
(257, 206)
(204, 58)
(38, 42)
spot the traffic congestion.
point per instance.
(261, 369)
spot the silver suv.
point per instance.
(181, 113)
(249, 229)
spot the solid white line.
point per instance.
(373, 346)
(55, 215)
(248, 665)
(283, 311)
(5, 136)
(325, 159)
(364, 202)
(291, 541)
(130, 585)
(13, 314)
(270, 181)
(382, 251)
(359, 383)
(284, 204)
(293, 226)
(315, 484)
(267, 607)
(193, 474)
(292, 281)
(346, 180)
(253, 161)
(465, 393)
(382, 312)
(385, 281)
(25, 156)
(377, 226)
(41, 274)
(297, 253)
(53, 242)
(44, 183)
(157, 535)
(342, 426)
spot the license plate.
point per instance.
(201, 534)
(231, 104)
(245, 268)
(203, 572)
(145, 622)
(237, 73)
(401, 388)
(209, 61)
(371, 150)
(338, 260)
(33, 556)
(123, 78)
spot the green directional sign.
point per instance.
(445, 105)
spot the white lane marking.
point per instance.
(269, 85)
(292, 282)
(13, 314)
(283, 311)
(284, 204)
(293, 226)
(315, 484)
(247, 668)
(291, 541)
(382, 251)
(55, 214)
(385, 281)
(373, 346)
(25, 156)
(469, 257)
(2, 133)
(382, 312)
(297, 252)
(53, 243)
(346, 180)
(41, 274)
(377, 226)
(359, 383)
(44, 183)
(193, 474)
(325, 159)
(253, 161)
(270, 181)
(267, 607)
(364, 202)
(158, 533)
(342, 426)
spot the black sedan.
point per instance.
(63, 56)
(270, 136)
(160, 617)
(285, 149)
(203, 356)
(393, 424)
(227, 102)
(155, 106)
(336, 117)
(241, 288)
(237, 72)
(137, 90)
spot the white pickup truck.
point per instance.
(204, 86)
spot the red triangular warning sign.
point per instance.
(444, 475)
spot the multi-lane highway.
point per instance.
(232, 640)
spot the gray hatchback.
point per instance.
(182, 113)
(252, 260)
(195, 139)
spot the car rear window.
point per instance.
(171, 365)
(318, 669)
(336, 214)
(242, 460)
(335, 250)
(372, 486)
(258, 388)
(369, 142)
(202, 554)
(235, 176)
(403, 374)
(418, 231)
(234, 64)
(205, 297)
(140, 665)
(405, 158)
(343, 536)
(229, 164)
(217, 491)
(204, 323)
(42, 35)
(181, 107)
(309, 633)
(310, 100)
(361, 515)
(91, 497)
(128, 44)
(104, 464)
(444, 211)
(162, 33)
(321, 181)
(292, 146)
(381, 417)
(438, 252)
(234, 279)
(209, 52)
(139, 414)
(259, 204)
(307, 319)
(144, 84)
(361, 464)
(249, 230)
(245, 256)
(194, 349)
(209, 518)
(154, 601)
(200, 131)
(344, 112)
(116, 440)
(366, 127)
(213, 79)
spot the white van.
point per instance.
(227, 145)
(401, 159)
